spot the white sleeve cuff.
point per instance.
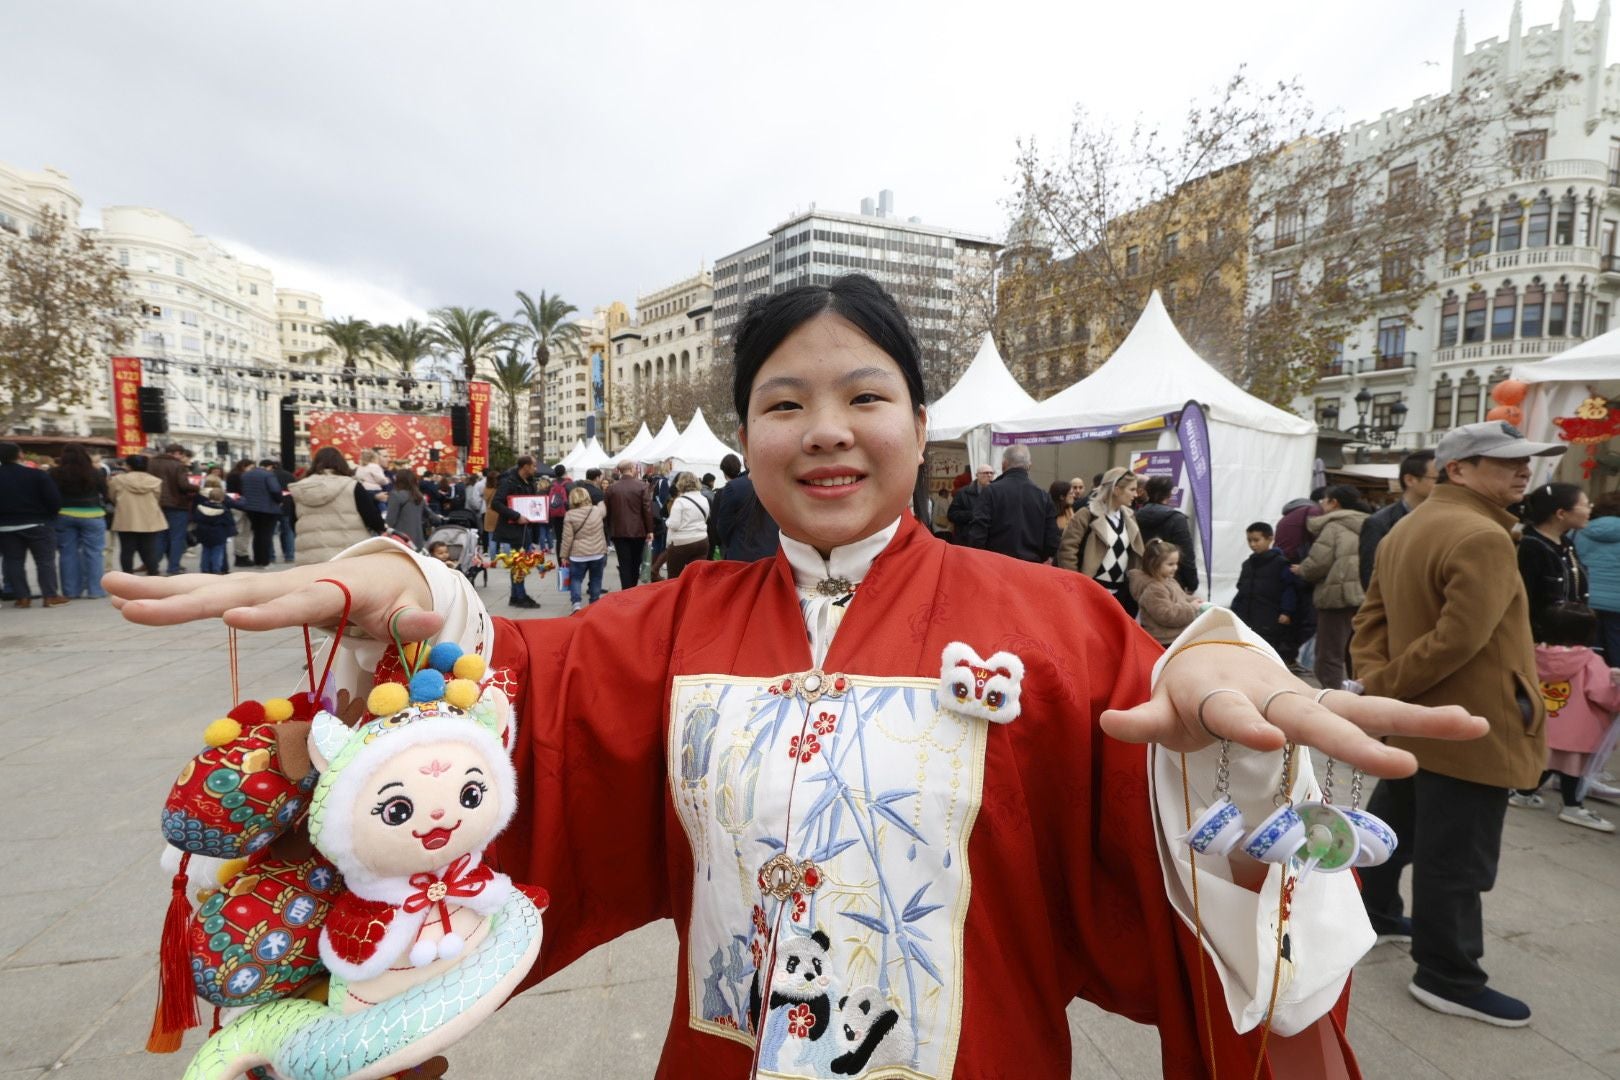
(1327, 927)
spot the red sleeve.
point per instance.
(590, 825)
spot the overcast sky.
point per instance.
(400, 154)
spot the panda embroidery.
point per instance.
(800, 1010)
(871, 1034)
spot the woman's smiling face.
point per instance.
(832, 438)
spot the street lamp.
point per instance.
(1381, 435)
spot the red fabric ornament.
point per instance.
(247, 713)
(257, 938)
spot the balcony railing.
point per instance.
(1524, 257)
(1611, 264)
(1390, 362)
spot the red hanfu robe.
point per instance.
(1061, 893)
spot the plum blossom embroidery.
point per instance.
(759, 919)
(826, 724)
(800, 1020)
(798, 907)
(804, 749)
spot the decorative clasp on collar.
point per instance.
(812, 685)
(835, 587)
(781, 876)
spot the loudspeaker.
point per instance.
(289, 413)
(460, 427)
(154, 415)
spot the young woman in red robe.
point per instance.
(892, 792)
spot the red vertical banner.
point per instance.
(478, 426)
(126, 394)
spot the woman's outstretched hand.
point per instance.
(380, 585)
(1344, 726)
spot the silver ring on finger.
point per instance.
(1205, 701)
(1273, 696)
(1326, 690)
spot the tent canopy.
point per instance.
(1557, 387)
(1597, 360)
(656, 450)
(985, 393)
(697, 449)
(635, 445)
(567, 461)
(591, 456)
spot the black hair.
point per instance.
(731, 466)
(1346, 496)
(1568, 624)
(1059, 491)
(75, 474)
(858, 300)
(9, 452)
(135, 462)
(1318, 493)
(1414, 465)
(593, 474)
(1262, 528)
(1158, 488)
(855, 298)
(708, 479)
(558, 472)
(1545, 501)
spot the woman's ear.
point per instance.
(922, 434)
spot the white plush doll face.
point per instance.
(427, 806)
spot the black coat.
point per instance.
(1373, 531)
(1164, 522)
(1552, 575)
(1266, 589)
(27, 496)
(740, 525)
(511, 529)
(960, 513)
(1015, 517)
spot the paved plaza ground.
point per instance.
(101, 714)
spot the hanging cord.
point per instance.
(1285, 894)
(409, 664)
(337, 639)
(231, 651)
(1198, 923)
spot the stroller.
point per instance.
(463, 544)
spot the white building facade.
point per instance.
(672, 338)
(1527, 271)
(576, 388)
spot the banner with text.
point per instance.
(1165, 463)
(1192, 431)
(126, 381)
(478, 426)
(410, 440)
(1063, 435)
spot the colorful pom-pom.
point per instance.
(462, 693)
(427, 685)
(304, 706)
(222, 731)
(277, 709)
(410, 652)
(387, 698)
(229, 869)
(444, 656)
(248, 713)
(470, 666)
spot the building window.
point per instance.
(1577, 314)
(1443, 394)
(697, 323)
(1395, 272)
(1403, 184)
(1529, 147)
(1504, 312)
(123, 256)
(1335, 361)
(1290, 223)
(179, 268)
(1327, 413)
(1449, 321)
(1614, 162)
(1392, 341)
(1530, 319)
(303, 305)
(1600, 318)
(1282, 288)
(1479, 233)
(1133, 260)
(1557, 310)
(1540, 221)
(1474, 318)
(1564, 225)
(1340, 206)
(1468, 400)
(1456, 234)
(1172, 246)
(1383, 411)
(1509, 226)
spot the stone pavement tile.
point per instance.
(589, 970)
(24, 918)
(124, 918)
(1525, 901)
(1087, 1061)
(1130, 1049)
(1607, 1064)
(652, 952)
(1380, 1054)
(48, 1009)
(1571, 977)
(561, 1034)
(34, 866)
(643, 1011)
(122, 1035)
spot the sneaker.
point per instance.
(1608, 793)
(1396, 931)
(1486, 1005)
(524, 602)
(1574, 815)
(579, 607)
(1529, 802)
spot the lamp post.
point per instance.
(1381, 435)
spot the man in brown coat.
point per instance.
(630, 522)
(173, 467)
(1446, 622)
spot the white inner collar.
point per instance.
(850, 562)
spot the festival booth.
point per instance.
(959, 422)
(591, 456)
(1573, 397)
(656, 450)
(697, 450)
(569, 458)
(1127, 412)
(634, 446)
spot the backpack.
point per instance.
(559, 500)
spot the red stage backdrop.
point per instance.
(478, 426)
(409, 439)
(126, 380)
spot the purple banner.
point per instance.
(1192, 430)
(1063, 435)
(1165, 463)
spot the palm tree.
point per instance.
(352, 338)
(405, 344)
(513, 376)
(541, 322)
(474, 334)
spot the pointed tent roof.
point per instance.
(633, 447)
(985, 393)
(698, 445)
(1597, 360)
(1154, 372)
(656, 449)
(591, 456)
(567, 461)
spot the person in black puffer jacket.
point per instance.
(1267, 591)
(1552, 573)
(1158, 520)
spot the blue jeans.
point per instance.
(288, 538)
(520, 589)
(80, 541)
(175, 539)
(593, 568)
(213, 559)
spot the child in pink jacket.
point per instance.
(1582, 698)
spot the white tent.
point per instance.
(567, 461)
(634, 446)
(698, 450)
(1261, 455)
(985, 393)
(656, 450)
(591, 456)
(1560, 383)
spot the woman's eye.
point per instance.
(472, 794)
(783, 406)
(396, 811)
(866, 399)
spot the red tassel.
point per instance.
(176, 1011)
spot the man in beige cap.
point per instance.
(1446, 622)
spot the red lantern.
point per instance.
(1511, 413)
(1509, 392)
